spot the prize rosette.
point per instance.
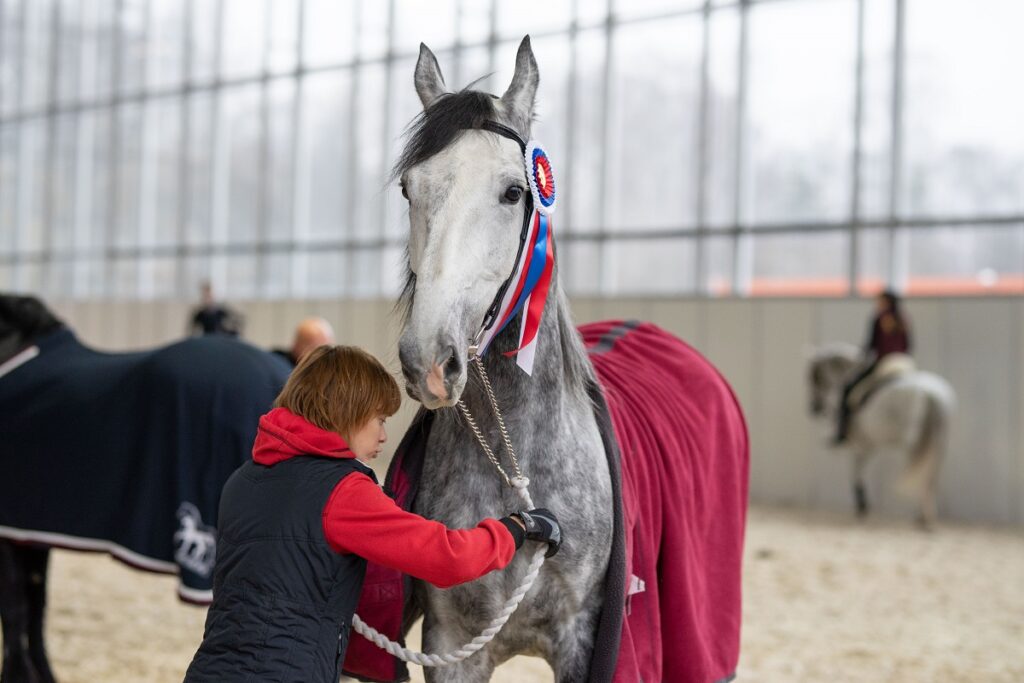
(542, 179)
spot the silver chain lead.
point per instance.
(501, 427)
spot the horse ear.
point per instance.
(521, 93)
(429, 81)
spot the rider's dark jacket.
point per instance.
(296, 527)
(889, 334)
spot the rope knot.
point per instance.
(520, 482)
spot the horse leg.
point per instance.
(35, 560)
(573, 649)
(439, 639)
(17, 663)
(928, 508)
(860, 490)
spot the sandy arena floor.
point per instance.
(827, 599)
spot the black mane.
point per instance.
(439, 125)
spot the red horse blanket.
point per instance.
(679, 457)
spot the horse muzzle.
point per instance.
(438, 382)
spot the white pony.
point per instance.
(909, 413)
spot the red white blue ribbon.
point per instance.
(531, 282)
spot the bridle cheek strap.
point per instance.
(526, 288)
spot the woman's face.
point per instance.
(366, 441)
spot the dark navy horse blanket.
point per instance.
(678, 454)
(127, 453)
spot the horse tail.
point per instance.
(927, 451)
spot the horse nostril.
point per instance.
(453, 366)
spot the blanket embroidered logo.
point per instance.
(195, 547)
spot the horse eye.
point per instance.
(512, 194)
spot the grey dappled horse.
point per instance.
(467, 196)
(909, 414)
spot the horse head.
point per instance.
(829, 368)
(468, 193)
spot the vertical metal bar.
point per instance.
(700, 265)
(566, 167)
(114, 196)
(605, 253)
(456, 77)
(75, 188)
(22, 171)
(3, 51)
(184, 204)
(263, 202)
(299, 176)
(893, 263)
(84, 158)
(48, 264)
(740, 268)
(147, 156)
(382, 201)
(853, 250)
(492, 48)
(3, 95)
(352, 167)
(219, 211)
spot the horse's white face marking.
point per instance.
(464, 231)
(463, 241)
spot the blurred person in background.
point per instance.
(889, 333)
(310, 333)
(212, 317)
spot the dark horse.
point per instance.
(124, 453)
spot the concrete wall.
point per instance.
(759, 346)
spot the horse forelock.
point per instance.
(438, 126)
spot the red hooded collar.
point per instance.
(283, 435)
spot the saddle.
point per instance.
(889, 369)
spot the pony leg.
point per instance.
(477, 669)
(928, 510)
(860, 490)
(17, 663)
(35, 560)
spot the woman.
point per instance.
(298, 523)
(889, 333)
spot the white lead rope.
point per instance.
(521, 485)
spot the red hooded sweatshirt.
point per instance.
(359, 518)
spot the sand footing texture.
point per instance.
(826, 598)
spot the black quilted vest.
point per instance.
(282, 598)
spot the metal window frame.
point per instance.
(298, 245)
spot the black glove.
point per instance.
(541, 525)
